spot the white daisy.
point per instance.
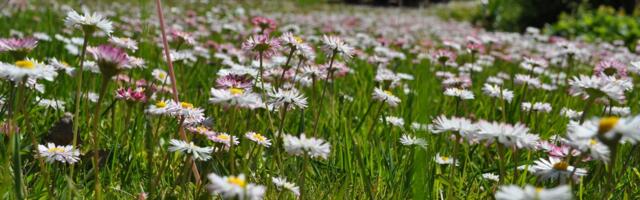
(509, 135)
(555, 168)
(335, 44)
(314, 147)
(161, 76)
(445, 160)
(88, 21)
(460, 93)
(385, 96)
(408, 140)
(596, 87)
(198, 153)
(64, 154)
(159, 108)
(225, 139)
(290, 97)
(124, 42)
(459, 125)
(51, 103)
(283, 183)
(235, 97)
(536, 107)
(395, 121)
(27, 68)
(187, 112)
(258, 138)
(496, 91)
(514, 192)
(491, 176)
(231, 187)
(571, 114)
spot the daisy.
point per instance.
(314, 147)
(198, 153)
(50, 103)
(556, 168)
(18, 46)
(443, 56)
(231, 187)
(64, 154)
(111, 60)
(395, 121)
(460, 93)
(607, 129)
(283, 183)
(496, 91)
(509, 135)
(124, 42)
(522, 79)
(491, 176)
(596, 87)
(88, 22)
(333, 44)
(536, 107)
(285, 97)
(161, 75)
(261, 44)
(611, 68)
(458, 125)
(514, 192)
(408, 140)
(385, 96)
(571, 114)
(187, 112)
(225, 139)
(62, 66)
(27, 68)
(234, 81)
(235, 97)
(258, 138)
(159, 108)
(445, 160)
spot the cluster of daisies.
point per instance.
(267, 63)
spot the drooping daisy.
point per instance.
(258, 138)
(408, 140)
(556, 168)
(314, 147)
(282, 183)
(459, 93)
(514, 192)
(230, 187)
(88, 22)
(385, 96)
(289, 97)
(64, 154)
(198, 153)
(445, 160)
(27, 68)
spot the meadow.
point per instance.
(222, 100)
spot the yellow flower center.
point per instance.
(298, 39)
(186, 105)
(236, 91)
(259, 137)
(593, 142)
(162, 75)
(65, 64)
(237, 181)
(223, 137)
(538, 189)
(201, 129)
(25, 64)
(445, 158)
(388, 92)
(55, 150)
(562, 165)
(607, 123)
(161, 104)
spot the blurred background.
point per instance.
(615, 21)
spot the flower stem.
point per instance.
(96, 136)
(324, 89)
